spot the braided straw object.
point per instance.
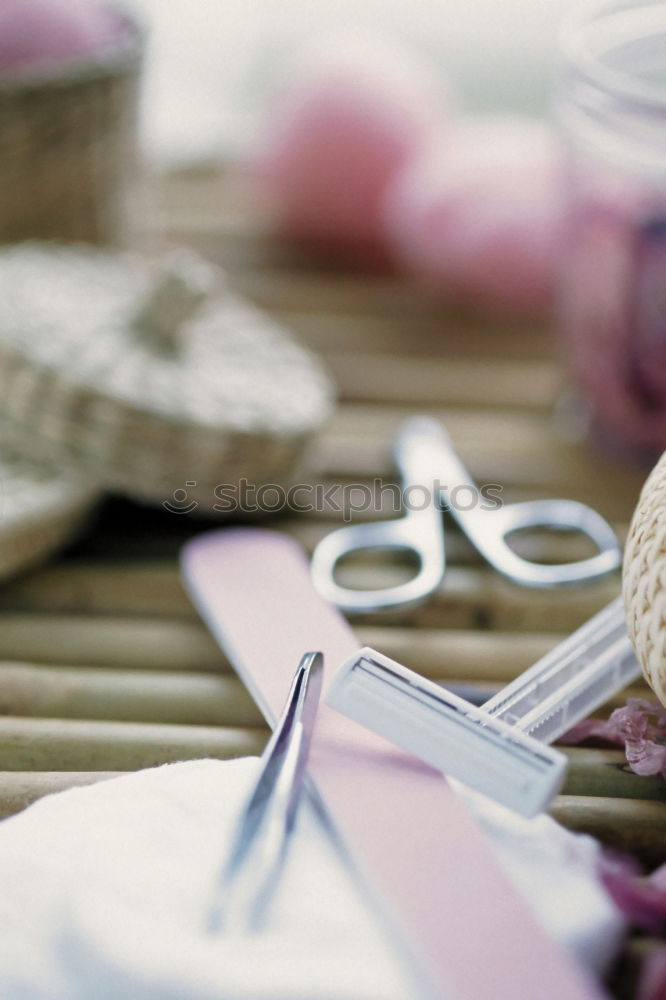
(40, 509)
(644, 580)
(150, 377)
(68, 159)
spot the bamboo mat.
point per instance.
(104, 666)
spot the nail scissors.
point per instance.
(252, 871)
(427, 462)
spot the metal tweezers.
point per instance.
(261, 839)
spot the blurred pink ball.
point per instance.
(479, 217)
(38, 33)
(347, 121)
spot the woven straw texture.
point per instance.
(644, 580)
(40, 510)
(68, 149)
(150, 378)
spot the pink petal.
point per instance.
(640, 899)
(479, 219)
(598, 729)
(652, 984)
(43, 32)
(351, 116)
(640, 726)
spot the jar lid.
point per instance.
(148, 375)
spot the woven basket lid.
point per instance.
(644, 579)
(150, 376)
(41, 508)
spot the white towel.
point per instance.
(104, 892)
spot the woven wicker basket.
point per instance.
(41, 509)
(150, 376)
(644, 580)
(68, 147)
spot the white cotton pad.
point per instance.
(105, 892)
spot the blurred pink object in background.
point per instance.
(611, 105)
(346, 121)
(611, 316)
(40, 33)
(479, 216)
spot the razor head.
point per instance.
(447, 732)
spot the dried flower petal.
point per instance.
(658, 877)
(640, 726)
(641, 900)
(592, 729)
(652, 985)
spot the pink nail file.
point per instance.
(410, 836)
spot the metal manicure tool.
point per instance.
(250, 876)
(499, 749)
(426, 461)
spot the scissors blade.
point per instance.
(253, 867)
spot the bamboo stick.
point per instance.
(306, 300)
(54, 691)
(515, 431)
(605, 773)
(467, 657)
(74, 745)
(630, 825)
(106, 588)
(87, 640)
(591, 773)
(158, 644)
(329, 291)
(190, 698)
(439, 335)
(125, 695)
(481, 599)
(19, 789)
(419, 382)
(469, 598)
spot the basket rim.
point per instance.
(124, 57)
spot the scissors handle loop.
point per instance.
(488, 530)
(555, 515)
(418, 532)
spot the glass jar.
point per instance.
(611, 108)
